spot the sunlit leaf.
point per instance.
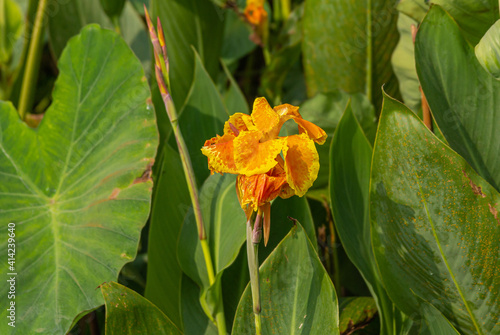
(129, 313)
(435, 225)
(77, 187)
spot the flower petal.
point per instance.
(301, 163)
(220, 153)
(266, 209)
(314, 132)
(287, 112)
(257, 190)
(240, 121)
(264, 117)
(251, 156)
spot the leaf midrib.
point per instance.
(474, 321)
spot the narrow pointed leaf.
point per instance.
(488, 51)
(171, 202)
(435, 225)
(225, 227)
(349, 193)
(297, 294)
(129, 313)
(189, 24)
(202, 117)
(77, 187)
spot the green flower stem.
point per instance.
(253, 239)
(33, 61)
(285, 9)
(162, 78)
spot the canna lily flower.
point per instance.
(267, 165)
(256, 15)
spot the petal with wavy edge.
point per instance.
(257, 190)
(264, 117)
(220, 153)
(301, 162)
(287, 110)
(251, 156)
(314, 132)
(240, 121)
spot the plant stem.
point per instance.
(253, 239)
(33, 61)
(162, 77)
(285, 9)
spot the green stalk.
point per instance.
(253, 239)
(33, 61)
(285, 9)
(162, 76)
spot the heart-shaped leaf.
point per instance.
(463, 97)
(129, 313)
(435, 225)
(297, 295)
(78, 187)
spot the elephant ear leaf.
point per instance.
(77, 188)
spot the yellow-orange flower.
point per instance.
(267, 165)
(256, 15)
(255, 12)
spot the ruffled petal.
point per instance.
(220, 153)
(241, 122)
(264, 117)
(314, 132)
(301, 163)
(251, 156)
(287, 110)
(257, 190)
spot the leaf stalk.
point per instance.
(30, 76)
(253, 238)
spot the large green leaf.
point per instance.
(349, 192)
(297, 295)
(78, 187)
(325, 110)
(403, 62)
(11, 23)
(171, 202)
(474, 17)
(488, 51)
(282, 211)
(202, 117)
(356, 313)
(69, 17)
(435, 225)
(196, 322)
(128, 313)
(348, 45)
(464, 98)
(187, 24)
(225, 226)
